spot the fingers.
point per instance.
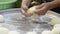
(41, 5)
(41, 12)
(24, 10)
(24, 13)
(42, 9)
(24, 7)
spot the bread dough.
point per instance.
(3, 30)
(56, 30)
(47, 32)
(55, 21)
(1, 18)
(31, 33)
(13, 32)
(51, 15)
(57, 26)
(31, 11)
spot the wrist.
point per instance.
(51, 5)
(46, 6)
(24, 4)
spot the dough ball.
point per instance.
(31, 33)
(56, 30)
(55, 21)
(31, 10)
(51, 16)
(14, 32)
(57, 26)
(47, 32)
(3, 30)
(1, 18)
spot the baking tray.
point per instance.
(15, 21)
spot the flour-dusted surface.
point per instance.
(15, 21)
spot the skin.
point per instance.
(24, 6)
(41, 8)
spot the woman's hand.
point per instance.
(24, 9)
(41, 9)
(44, 7)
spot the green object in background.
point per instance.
(18, 3)
(6, 4)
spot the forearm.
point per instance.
(53, 4)
(26, 2)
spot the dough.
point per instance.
(3, 30)
(51, 15)
(31, 33)
(1, 18)
(55, 21)
(57, 26)
(31, 11)
(47, 32)
(14, 32)
(56, 30)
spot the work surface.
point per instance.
(14, 21)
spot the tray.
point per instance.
(14, 21)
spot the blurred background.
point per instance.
(18, 3)
(8, 4)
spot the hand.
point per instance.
(42, 9)
(24, 10)
(25, 13)
(24, 7)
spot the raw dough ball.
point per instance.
(31, 33)
(47, 32)
(31, 11)
(14, 32)
(1, 18)
(51, 15)
(3, 30)
(57, 26)
(56, 30)
(55, 21)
